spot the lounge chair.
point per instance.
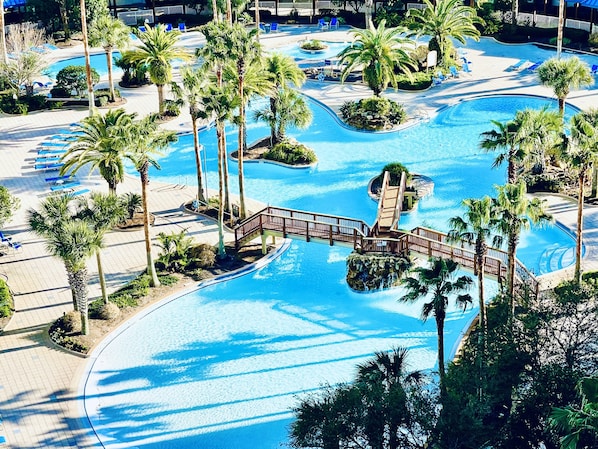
(64, 186)
(48, 166)
(454, 71)
(534, 66)
(51, 152)
(142, 29)
(169, 27)
(466, 67)
(323, 25)
(274, 27)
(47, 159)
(334, 23)
(4, 238)
(518, 65)
(594, 69)
(440, 76)
(78, 192)
(263, 27)
(436, 81)
(182, 27)
(58, 178)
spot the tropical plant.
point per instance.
(383, 54)
(475, 227)
(101, 145)
(145, 139)
(581, 154)
(579, 423)
(515, 212)
(8, 205)
(439, 280)
(102, 212)
(132, 202)
(72, 240)
(174, 247)
(23, 69)
(291, 110)
(109, 33)
(134, 72)
(190, 90)
(563, 75)
(74, 77)
(443, 21)
(157, 50)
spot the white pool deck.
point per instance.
(38, 406)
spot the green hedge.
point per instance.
(5, 300)
(291, 153)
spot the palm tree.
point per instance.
(72, 240)
(109, 33)
(514, 212)
(581, 154)
(190, 90)
(439, 280)
(579, 422)
(291, 110)
(563, 75)
(143, 141)
(475, 227)
(443, 20)
(83, 11)
(157, 50)
(3, 52)
(380, 52)
(101, 145)
(102, 212)
(504, 140)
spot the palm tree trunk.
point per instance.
(562, 107)
(440, 333)
(110, 78)
(200, 193)
(481, 268)
(71, 281)
(579, 231)
(151, 269)
(512, 251)
(594, 181)
(87, 60)
(240, 154)
(160, 98)
(65, 19)
(4, 54)
(80, 279)
(227, 201)
(221, 249)
(101, 277)
(215, 10)
(511, 172)
(257, 15)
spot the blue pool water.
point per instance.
(222, 367)
(97, 61)
(293, 50)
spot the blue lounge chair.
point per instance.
(48, 166)
(440, 76)
(466, 67)
(78, 192)
(51, 152)
(4, 238)
(262, 27)
(47, 159)
(436, 81)
(322, 24)
(518, 65)
(182, 27)
(534, 66)
(594, 69)
(169, 27)
(454, 71)
(58, 178)
(334, 23)
(65, 186)
(142, 29)
(274, 27)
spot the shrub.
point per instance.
(593, 40)
(418, 81)
(5, 300)
(395, 169)
(65, 325)
(374, 113)
(60, 92)
(199, 274)
(292, 153)
(202, 256)
(172, 108)
(553, 41)
(108, 311)
(71, 322)
(129, 295)
(313, 44)
(74, 77)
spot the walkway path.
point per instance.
(38, 383)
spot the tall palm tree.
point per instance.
(383, 54)
(564, 75)
(145, 139)
(439, 280)
(3, 52)
(443, 21)
(291, 110)
(581, 153)
(83, 10)
(475, 227)
(100, 145)
(503, 139)
(515, 212)
(157, 50)
(102, 212)
(72, 240)
(109, 33)
(190, 90)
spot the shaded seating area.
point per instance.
(517, 66)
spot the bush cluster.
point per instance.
(102, 96)
(313, 44)
(67, 324)
(418, 81)
(373, 114)
(395, 169)
(5, 300)
(23, 104)
(291, 153)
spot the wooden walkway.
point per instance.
(390, 206)
(358, 235)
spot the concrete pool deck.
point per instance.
(38, 383)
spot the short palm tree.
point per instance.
(382, 52)
(581, 154)
(157, 50)
(443, 21)
(72, 240)
(102, 212)
(475, 227)
(100, 145)
(564, 75)
(109, 33)
(144, 140)
(190, 91)
(515, 212)
(436, 283)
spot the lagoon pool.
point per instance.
(331, 52)
(97, 61)
(221, 367)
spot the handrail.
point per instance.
(396, 217)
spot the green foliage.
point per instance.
(129, 295)
(593, 40)
(74, 77)
(553, 41)
(8, 205)
(292, 153)
(313, 44)
(374, 113)
(395, 169)
(175, 248)
(172, 108)
(417, 81)
(68, 324)
(102, 96)
(134, 72)
(6, 302)
(11, 106)
(375, 271)
(132, 203)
